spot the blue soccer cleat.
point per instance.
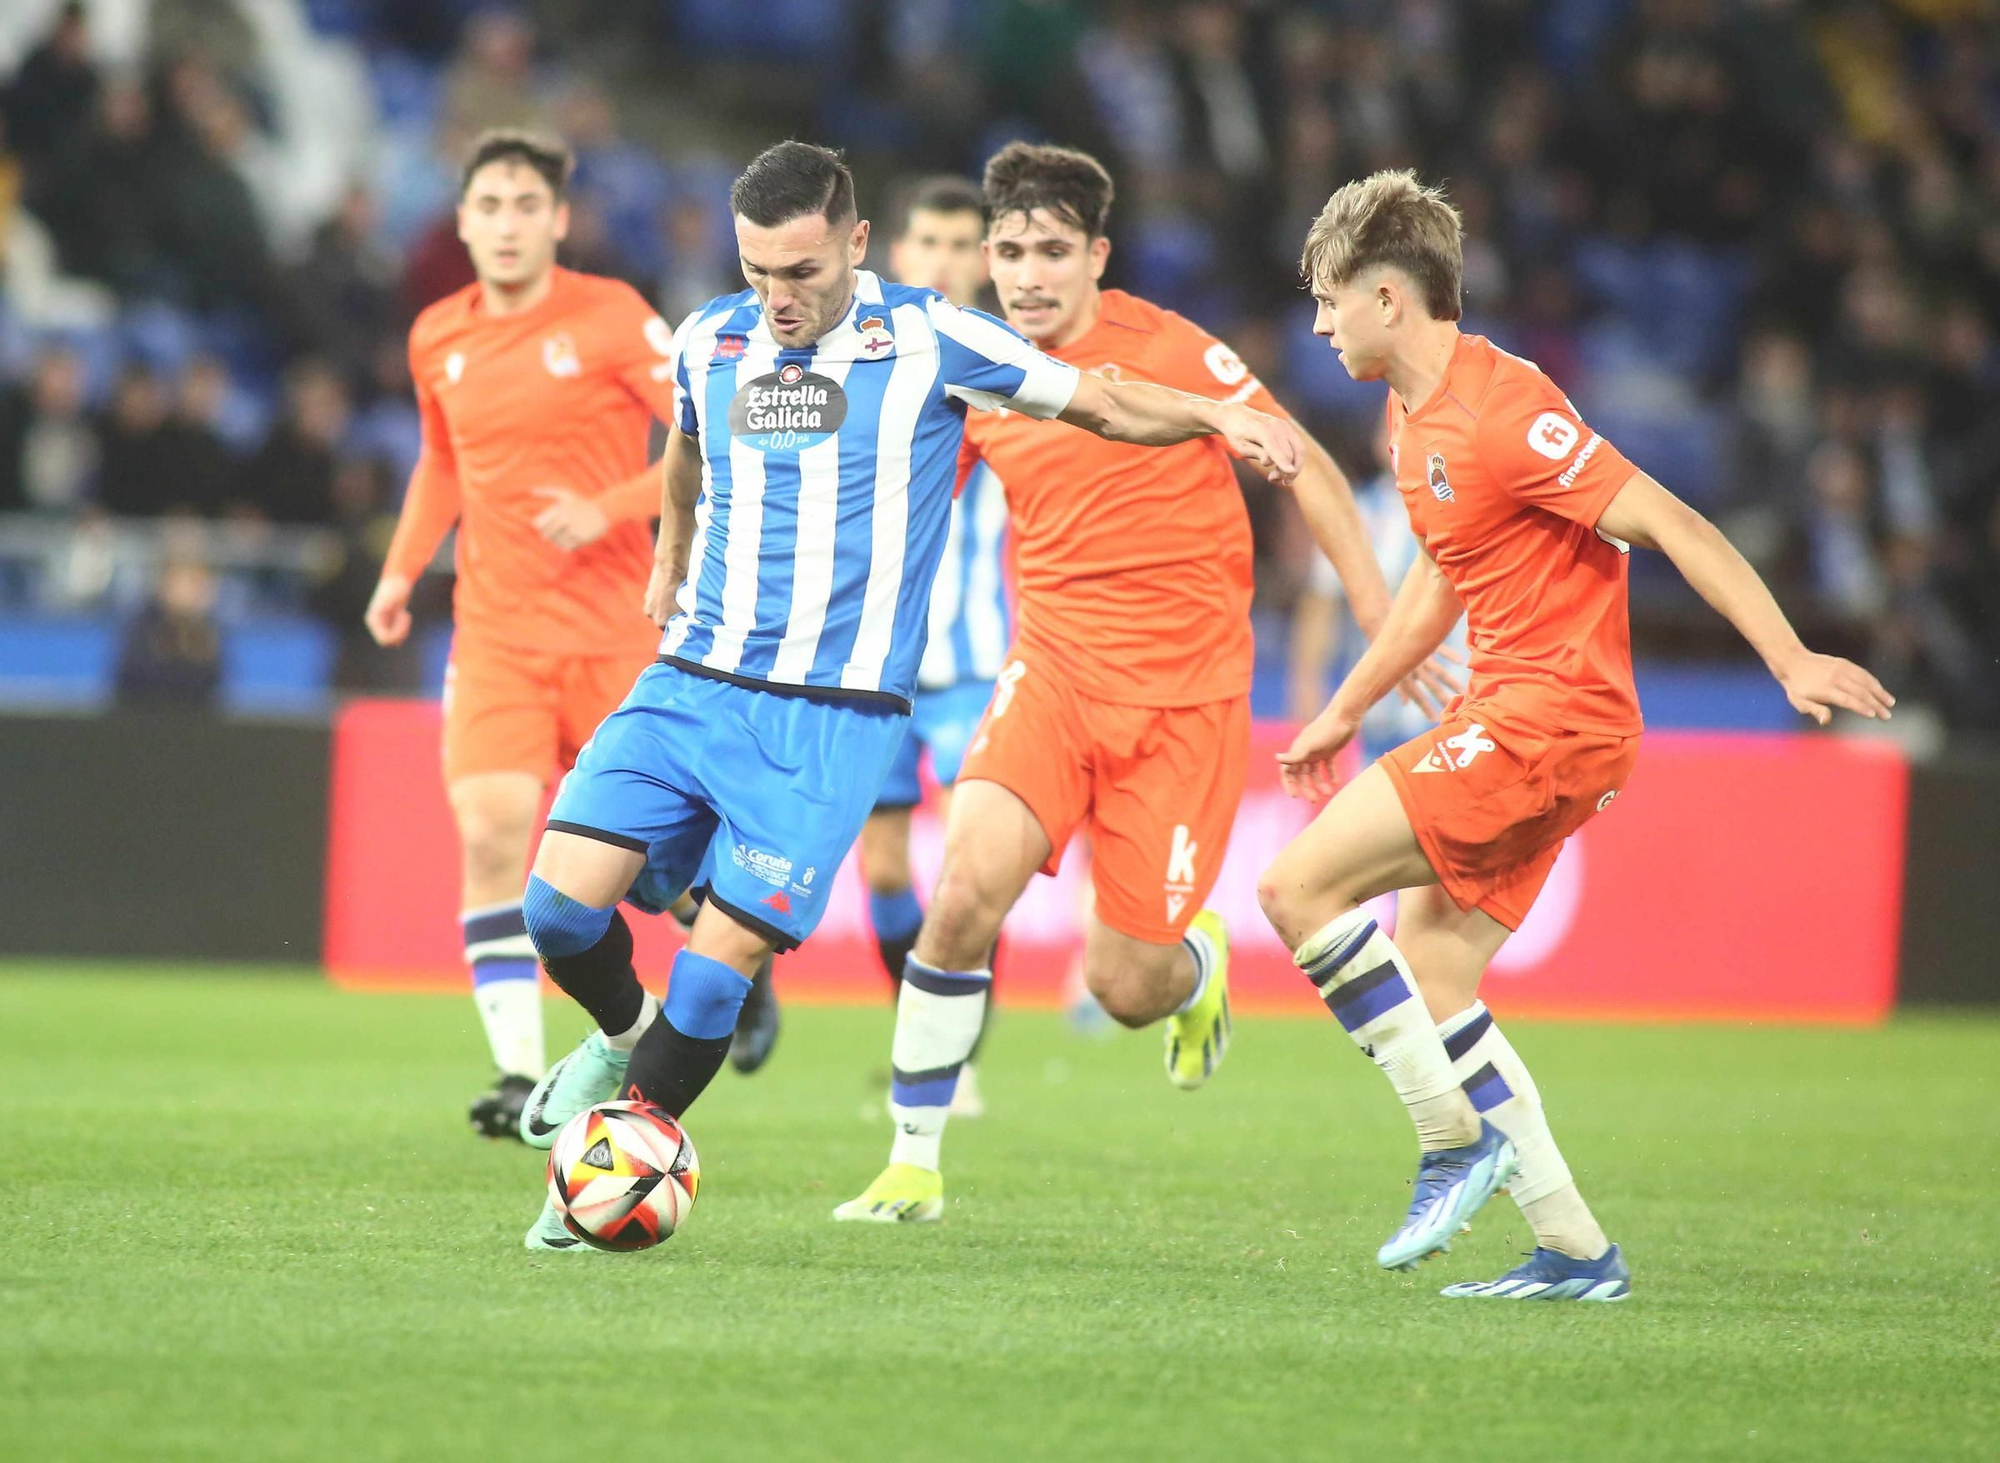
(1451, 1186)
(1552, 1275)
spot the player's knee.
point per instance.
(1281, 894)
(962, 919)
(561, 926)
(495, 843)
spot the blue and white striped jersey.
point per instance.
(827, 476)
(971, 626)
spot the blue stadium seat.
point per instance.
(161, 335)
(794, 30)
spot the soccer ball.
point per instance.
(623, 1175)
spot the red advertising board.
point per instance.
(1739, 877)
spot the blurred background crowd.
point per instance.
(1757, 240)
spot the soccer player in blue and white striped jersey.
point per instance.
(809, 479)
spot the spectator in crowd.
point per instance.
(343, 294)
(290, 479)
(200, 464)
(53, 94)
(172, 650)
(52, 457)
(135, 475)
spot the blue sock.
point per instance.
(703, 996)
(895, 916)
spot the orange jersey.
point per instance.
(1505, 484)
(560, 396)
(1133, 562)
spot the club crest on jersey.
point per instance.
(729, 348)
(559, 355)
(876, 341)
(1440, 484)
(787, 410)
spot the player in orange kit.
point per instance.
(1525, 517)
(538, 387)
(1123, 709)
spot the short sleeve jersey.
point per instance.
(562, 395)
(827, 479)
(1504, 484)
(1133, 562)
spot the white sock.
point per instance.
(1366, 983)
(938, 1015)
(1202, 951)
(506, 986)
(511, 1012)
(624, 1041)
(1485, 1063)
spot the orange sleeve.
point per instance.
(641, 347)
(1537, 449)
(637, 498)
(430, 505)
(1188, 358)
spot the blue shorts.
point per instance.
(756, 794)
(944, 720)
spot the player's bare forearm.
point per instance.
(1332, 517)
(1646, 514)
(680, 488)
(1147, 415)
(1425, 609)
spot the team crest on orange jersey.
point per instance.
(1440, 484)
(559, 355)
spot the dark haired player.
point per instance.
(1124, 705)
(809, 477)
(538, 387)
(940, 225)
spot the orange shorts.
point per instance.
(1491, 808)
(522, 711)
(1155, 788)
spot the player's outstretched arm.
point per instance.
(1426, 608)
(1646, 514)
(1159, 416)
(682, 487)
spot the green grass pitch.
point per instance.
(245, 1221)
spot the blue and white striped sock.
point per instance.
(1366, 983)
(938, 1015)
(1497, 1081)
(506, 986)
(1202, 952)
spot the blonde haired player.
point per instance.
(1525, 518)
